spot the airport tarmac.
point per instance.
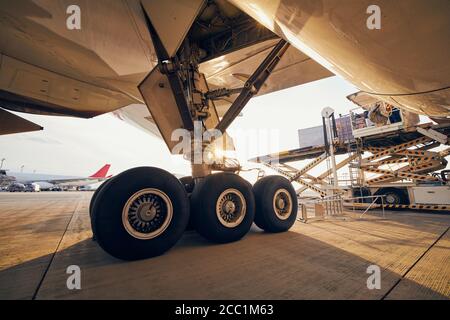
(41, 234)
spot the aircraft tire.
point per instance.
(393, 197)
(94, 196)
(188, 183)
(223, 207)
(276, 204)
(140, 214)
(92, 203)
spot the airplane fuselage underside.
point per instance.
(404, 62)
(195, 61)
(48, 69)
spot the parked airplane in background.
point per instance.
(5, 179)
(168, 65)
(48, 182)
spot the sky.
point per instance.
(78, 147)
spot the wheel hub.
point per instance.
(147, 214)
(390, 199)
(230, 208)
(282, 204)
(147, 211)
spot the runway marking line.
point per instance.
(76, 210)
(414, 264)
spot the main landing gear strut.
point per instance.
(143, 212)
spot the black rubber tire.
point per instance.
(188, 183)
(92, 202)
(94, 196)
(265, 216)
(203, 207)
(400, 196)
(110, 232)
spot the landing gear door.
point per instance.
(172, 20)
(160, 101)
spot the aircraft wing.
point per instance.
(75, 181)
(11, 123)
(100, 175)
(48, 69)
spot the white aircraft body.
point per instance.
(47, 181)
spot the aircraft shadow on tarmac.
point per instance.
(261, 266)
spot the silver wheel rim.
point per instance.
(147, 214)
(231, 208)
(282, 204)
(391, 199)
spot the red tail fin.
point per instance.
(102, 172)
